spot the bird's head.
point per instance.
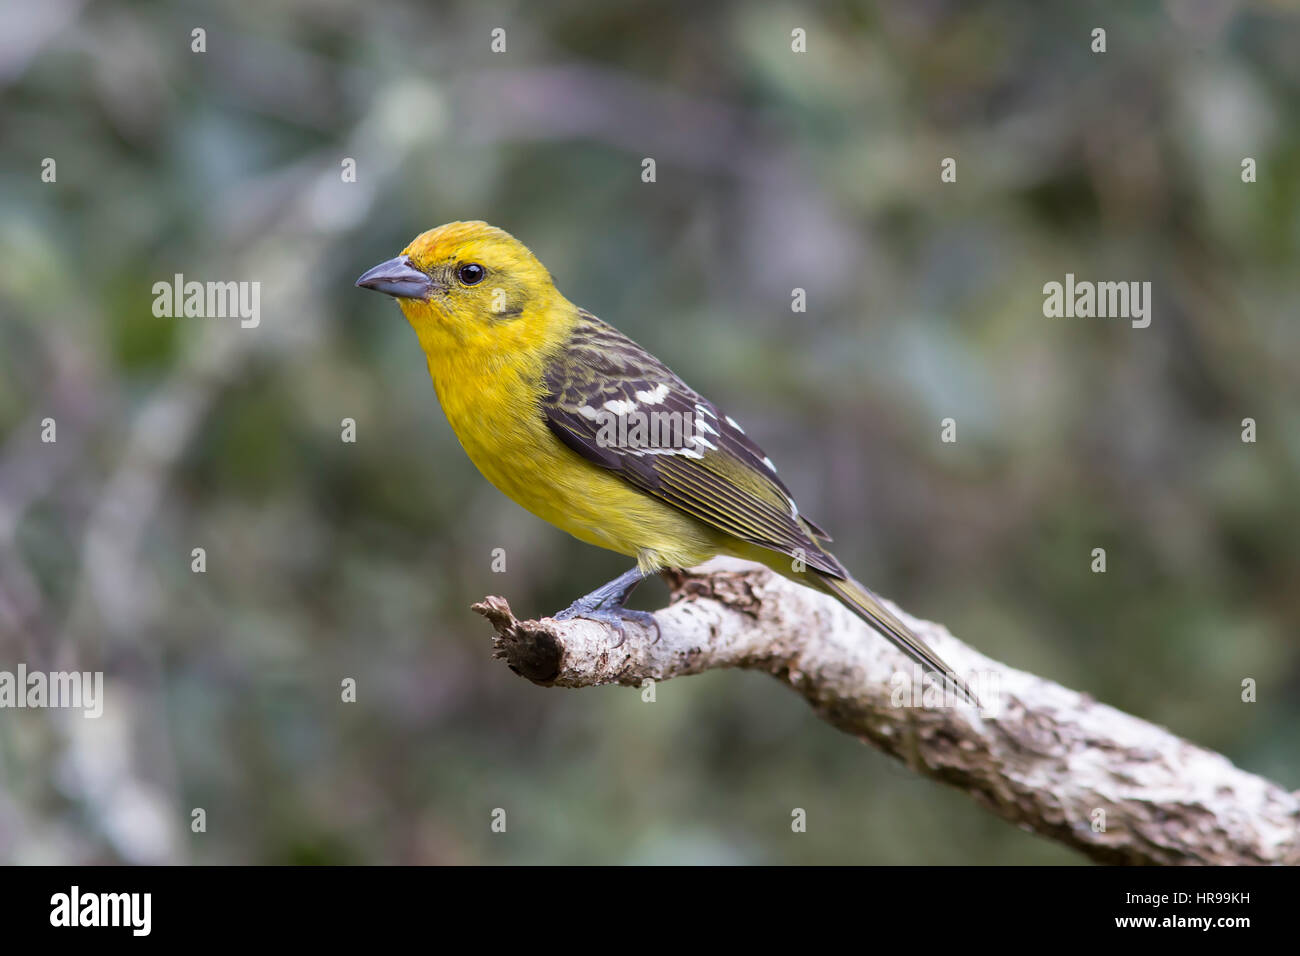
(467, 283)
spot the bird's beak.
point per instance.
(398, 278)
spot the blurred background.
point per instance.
(775, 170)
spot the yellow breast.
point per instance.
(493, 409)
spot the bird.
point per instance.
(591, 432)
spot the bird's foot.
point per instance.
(615, 616)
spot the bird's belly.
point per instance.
(590, 503)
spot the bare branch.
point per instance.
(1115, 787)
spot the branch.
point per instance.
(1115, 787)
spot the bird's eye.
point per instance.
(471, 273)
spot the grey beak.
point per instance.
(398, 278)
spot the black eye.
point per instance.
(471, 273)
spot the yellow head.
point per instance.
(468, 286)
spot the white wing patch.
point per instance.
(619, 406)
(655, 396)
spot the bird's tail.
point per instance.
(862, 602)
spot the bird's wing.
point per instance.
(688, 453)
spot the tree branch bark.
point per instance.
(1114, 787)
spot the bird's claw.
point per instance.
(615, 617)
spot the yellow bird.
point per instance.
(586, 429)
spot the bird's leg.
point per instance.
(605, 604)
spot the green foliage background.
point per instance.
(775, 170)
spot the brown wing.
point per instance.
(688, 454)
